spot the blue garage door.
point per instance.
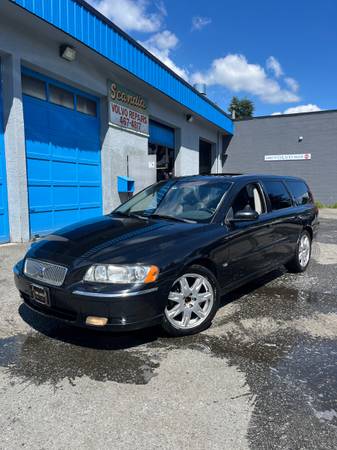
(62, 130)
(4, 231)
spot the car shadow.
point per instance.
(250, 287)
(103, 340)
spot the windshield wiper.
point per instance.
(137, 216)
(164, 216)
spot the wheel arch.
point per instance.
(309, 230)
(204, 262)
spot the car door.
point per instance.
(247, 241)
(284, 219)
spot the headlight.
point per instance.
(108, 273)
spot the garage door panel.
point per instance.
(63, 164)
(40, 197)
(61, 120)
(65, 196)
(41, 222)
(64, 153)
(88, 172)
(38, 169)
(35, 115)
(88, 213)
(63, 171)
(65, 217)
(89, 195)
(36, 148)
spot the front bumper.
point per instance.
(125, 310)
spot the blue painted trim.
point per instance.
(4, 233)
(84, 23)
(161, 134)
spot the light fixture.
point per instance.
(300, 138)
(67, 52)
(189, 118)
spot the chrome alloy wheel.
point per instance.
(190, 301)
(304, 250)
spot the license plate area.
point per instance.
(40, 294)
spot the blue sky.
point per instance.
(282, 55)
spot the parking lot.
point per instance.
(263, 377)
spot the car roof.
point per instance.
(234, 177)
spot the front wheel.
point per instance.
(192, 302)
(301, 259)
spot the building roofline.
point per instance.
(149, 54)
(33, 9)
(278, 116)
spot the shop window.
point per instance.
(34, 87)
(86, 106)
(61, 97)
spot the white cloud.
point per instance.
(299, 109)
(274, 66)
(292, 84)
(235, 73)
(199, 22)
(132, 15)
(160, 45)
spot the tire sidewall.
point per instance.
(173, 331)
(301, 268)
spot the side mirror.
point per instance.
(245, 216)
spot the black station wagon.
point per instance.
(168, 254)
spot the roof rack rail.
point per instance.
(222, 174)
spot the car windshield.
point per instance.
(183, 200)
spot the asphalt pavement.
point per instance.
(264, 376)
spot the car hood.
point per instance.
(110, 238)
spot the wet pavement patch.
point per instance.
(36, 358)
(293, 386)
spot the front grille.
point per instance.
(48, 273)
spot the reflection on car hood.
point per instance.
(107, 236)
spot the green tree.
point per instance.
(243, 108)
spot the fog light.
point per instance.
(97, 321)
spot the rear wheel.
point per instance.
(192, 302)
(301, 260)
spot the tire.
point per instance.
(301, 259)
(192, 303)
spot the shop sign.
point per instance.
(290, 157)
(127, 109)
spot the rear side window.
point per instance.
(300, 192)
(278, 195)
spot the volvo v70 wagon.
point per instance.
(168, 254)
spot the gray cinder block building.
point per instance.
(302, 145)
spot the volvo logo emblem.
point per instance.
(40, 272)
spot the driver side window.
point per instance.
(250, 198)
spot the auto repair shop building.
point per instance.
(87, 115)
